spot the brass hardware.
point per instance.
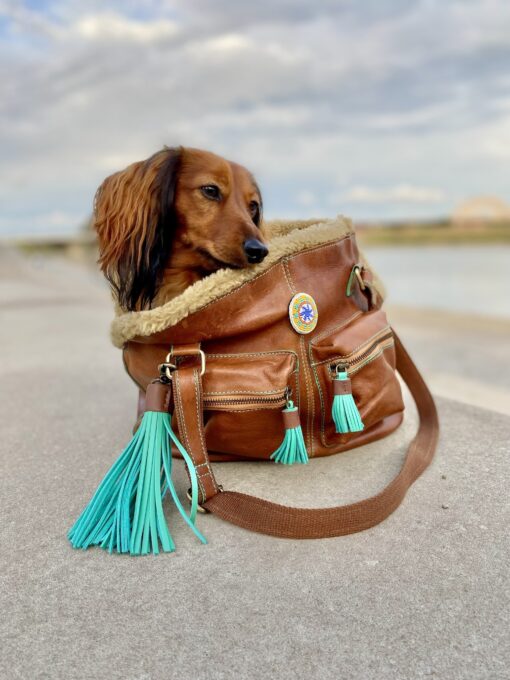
(199, 508)
(170, 356)
(357, 272)
(165, 370)
(204, 511)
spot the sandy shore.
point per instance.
(464, 357)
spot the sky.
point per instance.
(377, 109)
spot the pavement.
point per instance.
(425, 594)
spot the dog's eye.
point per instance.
(211, 191)
(254, 211)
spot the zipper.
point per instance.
(355, 361)
(226, 401)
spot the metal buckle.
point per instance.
(204, 511)
(170, 356)
(357, 272)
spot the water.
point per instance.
(467, 279)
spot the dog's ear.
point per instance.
(135, 221)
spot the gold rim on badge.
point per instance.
(303, 313)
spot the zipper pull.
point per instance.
(292, 449)
(344, 411)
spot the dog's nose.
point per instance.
(255, 250)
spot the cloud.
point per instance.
(311, 96)
(401, 193)
(110, 26)
(306, 198)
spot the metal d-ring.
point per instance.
(169, 356)
(357, 272)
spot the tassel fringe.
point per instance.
(344, 411)
(125, 515)
(292, 449)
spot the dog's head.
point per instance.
(183, 208)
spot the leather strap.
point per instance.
(189, 409)
(273, 519)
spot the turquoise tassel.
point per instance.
(344, 411)
(292, 449)
(125, 515)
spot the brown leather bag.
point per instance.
(235, 358)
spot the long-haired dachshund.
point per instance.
(165, 222)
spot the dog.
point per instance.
(172, 219)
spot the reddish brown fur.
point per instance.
(126, 209)
(208, 234)
(218, 228)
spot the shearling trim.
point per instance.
(286, 238)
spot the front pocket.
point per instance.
(365, 348)
(243, 396)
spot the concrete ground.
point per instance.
(423, 595)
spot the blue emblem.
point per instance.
(306, 312)
(303, 313)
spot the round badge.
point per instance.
(303, 313)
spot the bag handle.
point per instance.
(273, 519)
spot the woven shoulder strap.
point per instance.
(257, 514)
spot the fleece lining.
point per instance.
(285, 238)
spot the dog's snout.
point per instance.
(255, 250)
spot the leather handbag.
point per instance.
(285, 362)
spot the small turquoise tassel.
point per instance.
(125, 514)
(344, 411)
(292, 449)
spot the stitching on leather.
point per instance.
(254, 392)
(309, 398)
(352, 371)
(295, 395)
(323, 411)
(323, 407)
(276, 264)
(321, 400)
(284, 259)
(361, 346)
(370, 339)
(377, 354)
(250, 354)
(287, 276)
(208, 474)
(302, 350)
(337, 239)
(196, 384)
(180, 416)
(327, 331)
(247, 410)
(294, 371)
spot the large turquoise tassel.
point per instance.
(344, 411)
(292, 449)
(125, 514)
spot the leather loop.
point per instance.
(158, 397)
(291, 419)
(187, 389)
(191, 349)
(273, 519)
(341, 387)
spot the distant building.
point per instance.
(480, 210)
